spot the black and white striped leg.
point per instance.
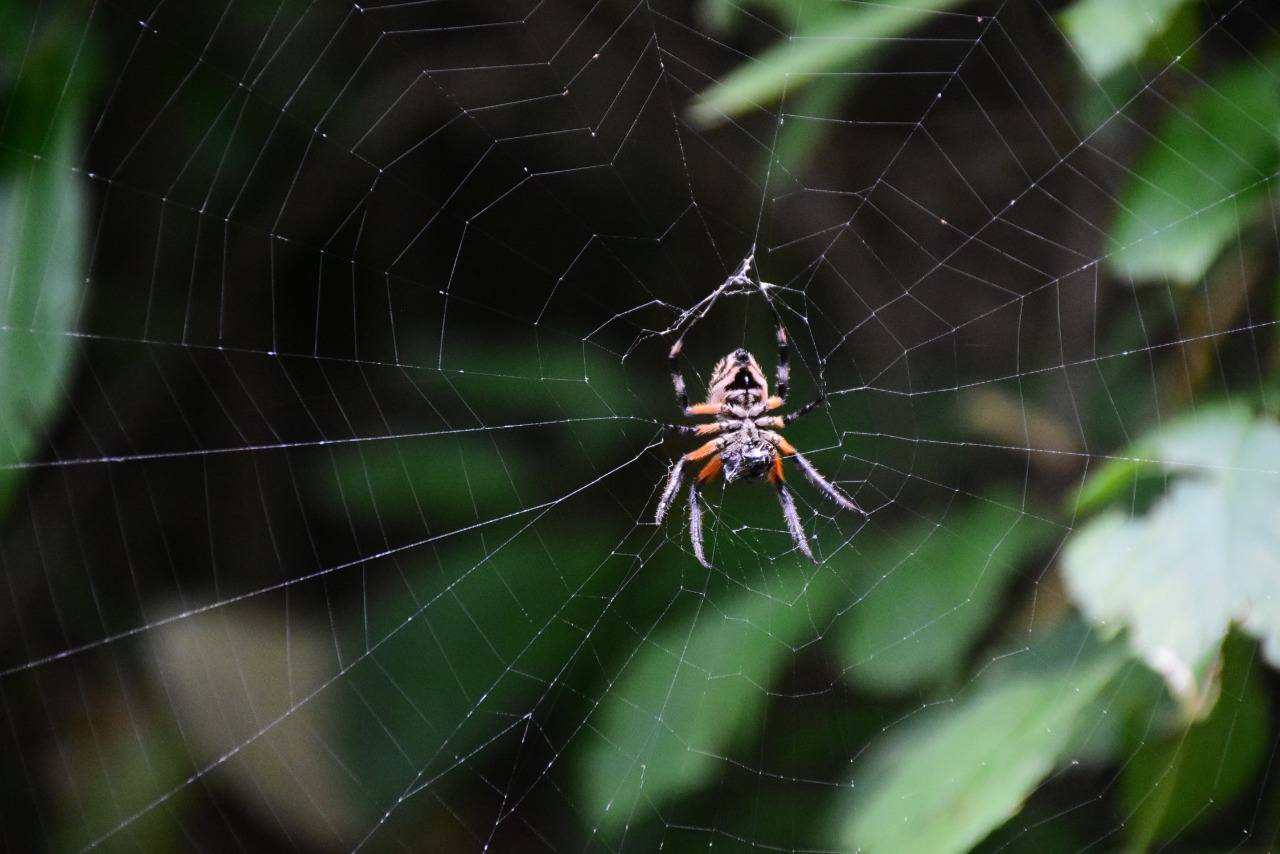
(784, 368)
(793, 520)
(804, 410)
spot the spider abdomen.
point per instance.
(747, 460)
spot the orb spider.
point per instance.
(747, 445)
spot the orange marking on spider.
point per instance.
(775, 474)
(703, 452)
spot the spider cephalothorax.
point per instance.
(746, 445)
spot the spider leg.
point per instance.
(779, 395)
(782, 384)
(682, 393)
(784, 368)
(677, 475)
(804, 410)
(668, 494)
(708, 429)
(789, 509)
(814, 477)
(695, 522)
(677, 378)
(777, 422)
(710, 470)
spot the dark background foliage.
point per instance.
(335, 351)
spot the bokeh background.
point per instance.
(332, 364)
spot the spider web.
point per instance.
(333, 366)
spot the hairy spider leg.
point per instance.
(813, 475)
(677, 475)
(776, 475)
(710, 470)
(783, 383)
(803, 411)
(677, 379)
(784, 368)
(695, 522)
(789, 508)
(682, 393)
(709, 429)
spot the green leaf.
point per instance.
(723, 15)
(1110, 34)
(1205, 557)
(797, 138)
(692, 691)
(1110, 480)
(1204, 177)
(936, 589)
(137, 764)
(42, 272)
(401, 479)
(944, 783)
(831, 37)
(496, 449)
(1177, 783)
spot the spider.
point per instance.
(747, 445)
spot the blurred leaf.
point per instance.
(1202, 179)
(1177, 783)
(1206, 556)
(937, 587)
(798, 138)
(724, 14)
(1109, 480)
(113, 769)
(692, 691)
(466, 636)
(491, 458)
(1110, 34)
(442, 478)
(455, 654)
(944, 783)
(246, 688)
(42, 272)
(47, 67)
(830, 37)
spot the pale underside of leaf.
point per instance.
(1205, 557)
